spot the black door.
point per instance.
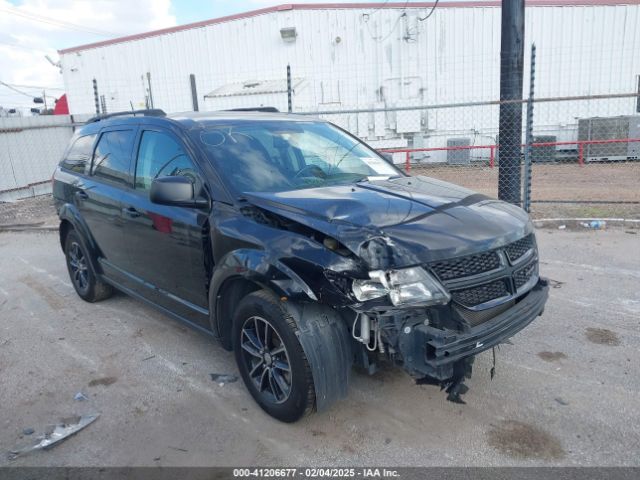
(98, 197)
(167, 244)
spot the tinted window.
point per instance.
(79, 154)
(160, 155)
(111, 158)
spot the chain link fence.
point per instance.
(578, 151)
(579, 155)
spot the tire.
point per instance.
(81, 270)
(279, 376)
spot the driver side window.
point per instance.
(159, 155)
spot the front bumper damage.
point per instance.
(444, 357)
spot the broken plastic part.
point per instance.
(56, 434)
(223, 378)
(454, 386)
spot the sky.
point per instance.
(32, 29)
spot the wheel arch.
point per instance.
(241, 272)
(70, 219)
(228, 295)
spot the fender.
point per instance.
(257, 267)
(70, 213)
(326, 341)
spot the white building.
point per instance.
(377, 56)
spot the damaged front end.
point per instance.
(427, 286)
(454, 310)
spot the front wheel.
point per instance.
(270, 358)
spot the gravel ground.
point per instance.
(35, 211)
(565, 393)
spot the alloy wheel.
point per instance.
(266, 358)
(78, 266)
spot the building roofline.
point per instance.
(324, 6)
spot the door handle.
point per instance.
(82, 195)
(131, 212)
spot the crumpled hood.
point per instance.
(402, 221)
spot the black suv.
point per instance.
(298, 246)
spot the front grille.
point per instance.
(464, 276)
(466, 266)
(518, 248)
(523, 275)
(473, 296)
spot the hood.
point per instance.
(402, 221)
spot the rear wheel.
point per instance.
(83, 277)
(270, 358)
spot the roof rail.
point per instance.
(151, 112)
(254, 109)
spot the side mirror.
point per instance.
(175, 191)
(388, 156)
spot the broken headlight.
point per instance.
(409, 286)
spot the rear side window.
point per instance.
(112, 156)
(160, 155)
(79, 155)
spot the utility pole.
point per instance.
(44, 97)
(510, 128)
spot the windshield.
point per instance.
(277, 156)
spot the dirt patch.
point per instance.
(521, 440)
(553, 184)
(105, 381)
(602, 336)
(552, 356)
(55, 301)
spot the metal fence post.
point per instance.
(194, 92)
(526, 193)
(96, 97)
(289, 103)
(149, 87)
(510, 122)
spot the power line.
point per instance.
(16, 90)
(375, 10)
(431, 12)
(58, 23)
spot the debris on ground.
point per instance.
(148, 358)
(595, 224)
(55, 434)
(80, 397)
(178, 449)
(222, 378)
(561, 401)
(554, 283)
(28, 431)
(562, 227)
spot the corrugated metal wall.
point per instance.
(348, 55)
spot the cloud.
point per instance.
(35, 28)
